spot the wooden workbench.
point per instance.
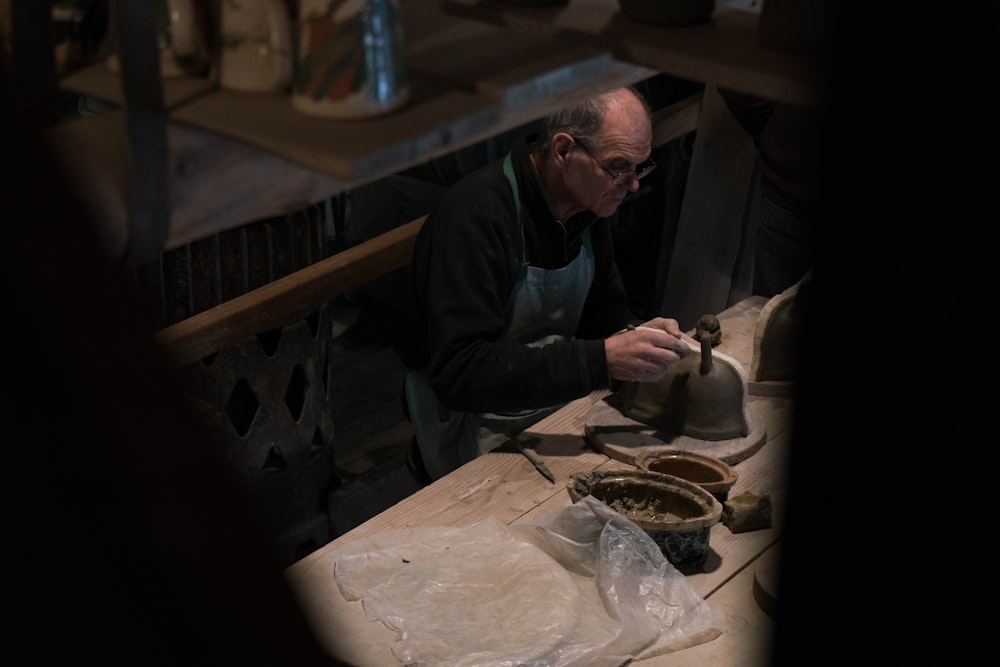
(505, 485)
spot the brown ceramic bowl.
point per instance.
(668, 12)
(675, 513)
(712, 474)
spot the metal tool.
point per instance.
(535, 459)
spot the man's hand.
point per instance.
(671, 327)
(646, 353)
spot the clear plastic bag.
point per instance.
(581, 586)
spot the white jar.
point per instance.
(256, 46)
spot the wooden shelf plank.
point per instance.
(723, 51)
(216, 183)
(434, 119)
(511, 67)
(219, 182)
(100, 82)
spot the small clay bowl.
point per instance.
(710, 473)
(675, 513)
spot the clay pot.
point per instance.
(704, 396)
(710, 473)
(675, 513)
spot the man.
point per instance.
(789, 140)
(515, 295)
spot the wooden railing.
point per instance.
(289, 298)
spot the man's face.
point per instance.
(601, 176)
(610, 173)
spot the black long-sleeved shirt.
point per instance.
(466, 262)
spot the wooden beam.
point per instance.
(710, 229)
(290, 297)
(676, 120)
(146, 127)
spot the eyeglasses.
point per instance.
(640, 172)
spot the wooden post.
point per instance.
(711, 225)
(149, 200)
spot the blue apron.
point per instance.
(544, 307)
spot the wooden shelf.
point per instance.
(237, 157)
(469, 80)
(723, 51)
(216, 183)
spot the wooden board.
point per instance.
(347, 149)
(622, 438)
(746, 637)
(216, 182)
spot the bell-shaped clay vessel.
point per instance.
(704, 396)
(776, 336)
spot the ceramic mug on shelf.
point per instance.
(256, 46)
(352, 59)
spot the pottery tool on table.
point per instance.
(535, 459)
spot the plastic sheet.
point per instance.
(582, 586)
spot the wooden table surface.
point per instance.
(505, 485)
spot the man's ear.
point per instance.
(562, 143)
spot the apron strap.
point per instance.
(508, 172)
